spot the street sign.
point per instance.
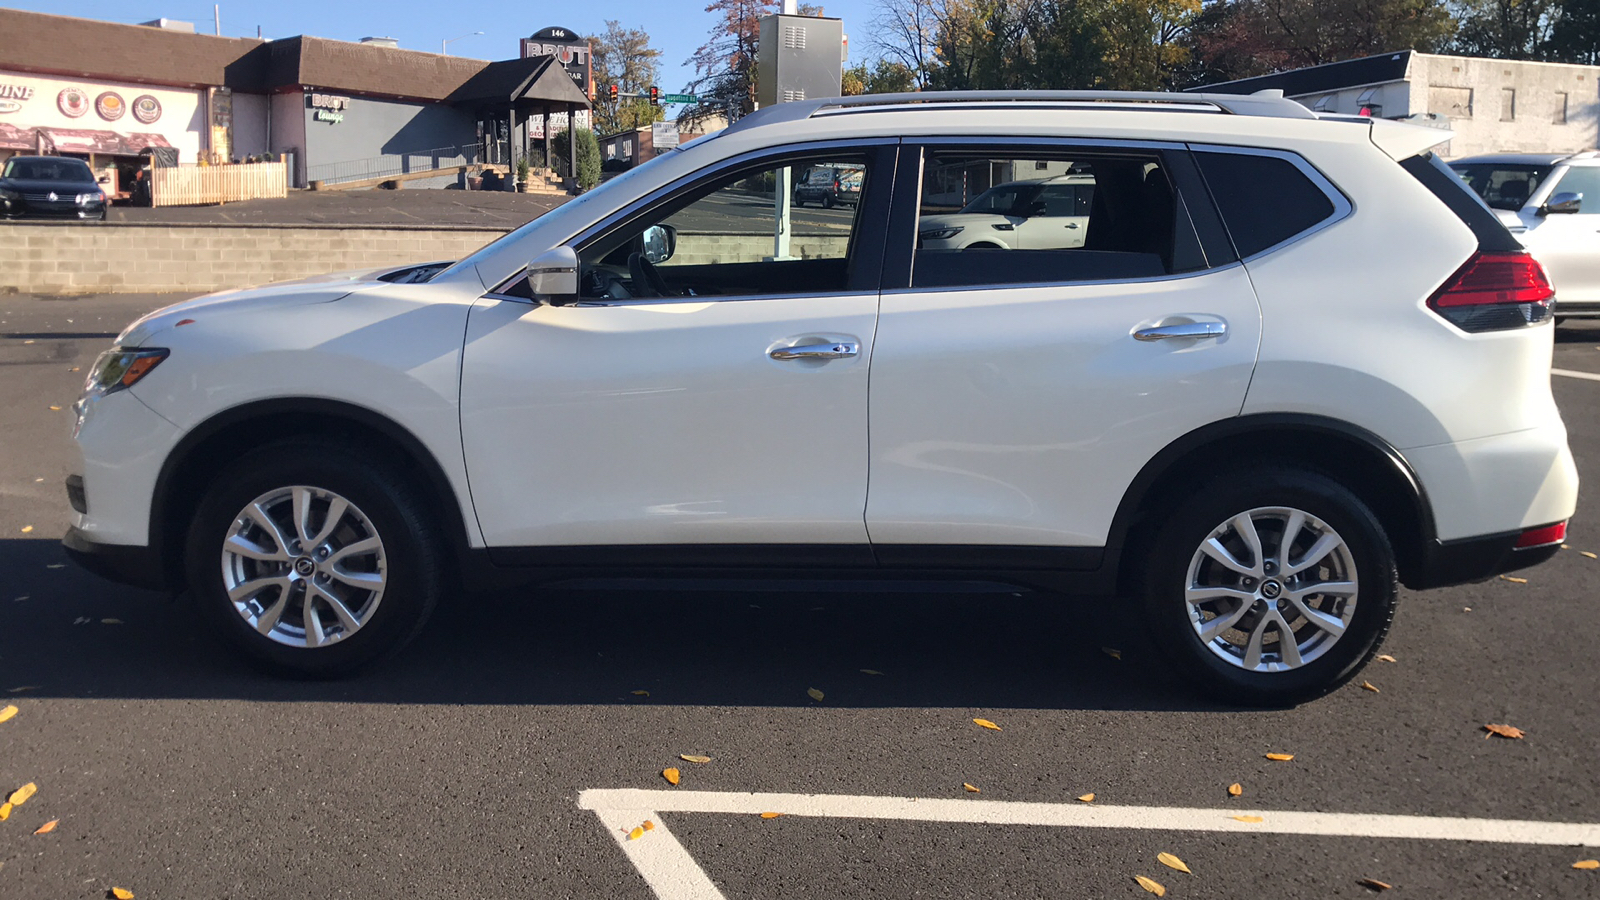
(679, 98)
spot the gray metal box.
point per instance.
(800, 58)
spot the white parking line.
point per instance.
(674, 875)
(1572, 373)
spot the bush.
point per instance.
(522, 169)
(588, 156)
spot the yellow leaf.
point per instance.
(1112, 652)
(986, 724)
(641, 693)
(690, 757)
(5, 811)
(970, 788)
(55, 409)
(48, 827)
(648, 825)
(870, 672)
(1153, 887)
(1385, 657)
(814, 694)
(635, 834)
(1087, 798)
(1235, 789)
(1172, 862)
(27, 528)
(1367, 685)
(1375, 884)
(122, 893)
(770, 815)
(1505, 731)
(1587, 864)
(1250, 819)
(670, 774)
(1280, 757)
(7, 713)
(1588, 554)
(1513, 579)
(21, 794)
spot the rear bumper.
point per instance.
(1469, 560)
(128, 564)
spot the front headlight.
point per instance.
(120, 368)
(8, 194)
(90, 198)
(940, 234)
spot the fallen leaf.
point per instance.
(48, 827)
(970, 788)
(1172, 862)
(1375, 884)
(1588, 554)
(75, 369)
(648, 825)
(1150, 885)
(55, 409)
(5, 811)
(81, 620)
(7, 713)
(1112, 652)
(1505, 731)
(770, 815)
(112, 622)
(814, 694)
(1385, 657)
(986, 724)
(27, 528)
(670, 774)
(1087, 798)
(1513, 579)
(122, 893)
(1251, 819)
(690, 757)
(635, 834)
(870, 672)
(1235, 789)
(1587, 864)
(26, 687)
(1368, 686)
(21, 794)
(1466, 609)
(1280, 757)
(641, 693)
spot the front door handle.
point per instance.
(835, 350)
(1185, 330)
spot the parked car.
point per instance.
(1207, 407)
(50, 186)
(1551, 203)
(1042, 214)
(829, 186)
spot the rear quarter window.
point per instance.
(1264, 200)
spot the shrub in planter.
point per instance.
(588, 157)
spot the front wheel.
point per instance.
(1269, 587)
(313, 560)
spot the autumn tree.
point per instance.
(886, 76)
(624, 57)
(1576, 35)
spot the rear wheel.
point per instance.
(1270, 587)
(313, 560)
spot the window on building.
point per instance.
(1560, 115)
(1368, 104)
(1326, 103)
(1455, 102)
(1508, 104)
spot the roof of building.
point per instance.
(511, 80)
(1317, 79)
(141, 54)
(366, 68)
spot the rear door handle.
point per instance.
(1185, 330)
(835, 350)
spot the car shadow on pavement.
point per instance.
(68, 633)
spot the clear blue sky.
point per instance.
(677, 27)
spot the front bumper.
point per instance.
(123, 563)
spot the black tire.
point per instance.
(413, 552)
(799, 204)
(827, 201)
(1184, 527)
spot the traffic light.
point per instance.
(655, 95)
(611, 93)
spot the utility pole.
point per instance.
(216, 18)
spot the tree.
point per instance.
(907, 31)
(886, 76)
(1505, 29)
(624, 57)
(1576, 35)
(588, 156)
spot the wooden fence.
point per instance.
(197, 185)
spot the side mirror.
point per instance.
(660, 242)
(553, 276)
(1562, 203)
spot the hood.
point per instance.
(32, 185)
(954, 220)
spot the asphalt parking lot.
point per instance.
(512, 749)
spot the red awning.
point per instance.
(14, 138)
(109, 143)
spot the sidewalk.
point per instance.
(367, 209)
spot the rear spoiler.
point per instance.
(1403, 140)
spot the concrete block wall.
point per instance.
(80, 258)
(707, 249)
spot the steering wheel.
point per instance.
(647, 282)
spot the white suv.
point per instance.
(1291, 362)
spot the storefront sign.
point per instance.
(9, 106)
(146, 109)
(72, 102)
(329, 101)
(328, 115)
(568, 48)
(15, 92)
(110, 106)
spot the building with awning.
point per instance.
(96, 142)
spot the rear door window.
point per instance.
(1265, 200)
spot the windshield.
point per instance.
(1502, 186)
(69, 170)
(1001, 200)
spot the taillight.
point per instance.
(1542, 537)
(1494, 291)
